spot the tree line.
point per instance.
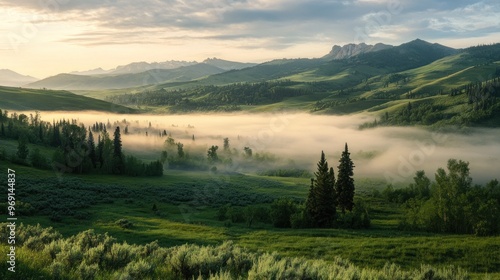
(450, 204)
(211, 97)
(76, 148)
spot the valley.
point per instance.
(230, 170)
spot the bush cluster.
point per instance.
(88, 255)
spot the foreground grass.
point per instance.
(187, 203)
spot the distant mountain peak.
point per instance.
(350, 50)
(14, 79)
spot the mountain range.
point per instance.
(139, 74)
(13, 79)
(378, 79)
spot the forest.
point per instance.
(213, 98)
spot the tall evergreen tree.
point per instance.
(344, 188)
(92, 149)
(2, 131)
(320, 206)
(100, 151)
(118, 162)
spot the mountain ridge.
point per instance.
(350, 50)
(14, 79)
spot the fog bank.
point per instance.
(394, 153)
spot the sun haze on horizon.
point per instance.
(43, 38)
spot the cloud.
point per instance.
(238, 29)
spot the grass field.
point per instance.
(187, 203)
(53, 100)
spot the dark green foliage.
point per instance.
(135, 167)
(38, 160)
(358, 218)
(75, 152)
(214, 98)
(344, 187)
(118, 161)
(89, 255)
(212, 154)
(180, 150)
(321, 202)
(281, 212)
(92, 149)
(453, 204)
(22, 147)
(124, 223)
(222, 212)
(292, 172)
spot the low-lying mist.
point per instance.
(393, 153)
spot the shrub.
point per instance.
(281, 212)
(124, 223)
(87, 272)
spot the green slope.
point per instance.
(51, 100)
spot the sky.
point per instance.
(46, 37)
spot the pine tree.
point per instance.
(22, 147)
(92, 149)
(118, 162)
(2, 131)
(99, 151)
(320, 205)
(344, 188)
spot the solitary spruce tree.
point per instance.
(118, 162)
(344, 188)
(321, 200)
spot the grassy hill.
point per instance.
(52, 100)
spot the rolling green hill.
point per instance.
(45, 100)
(376, 83)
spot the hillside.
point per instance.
(50, 100)
(10, 78)
(155, 76)
(227, 65)
(455, 87)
